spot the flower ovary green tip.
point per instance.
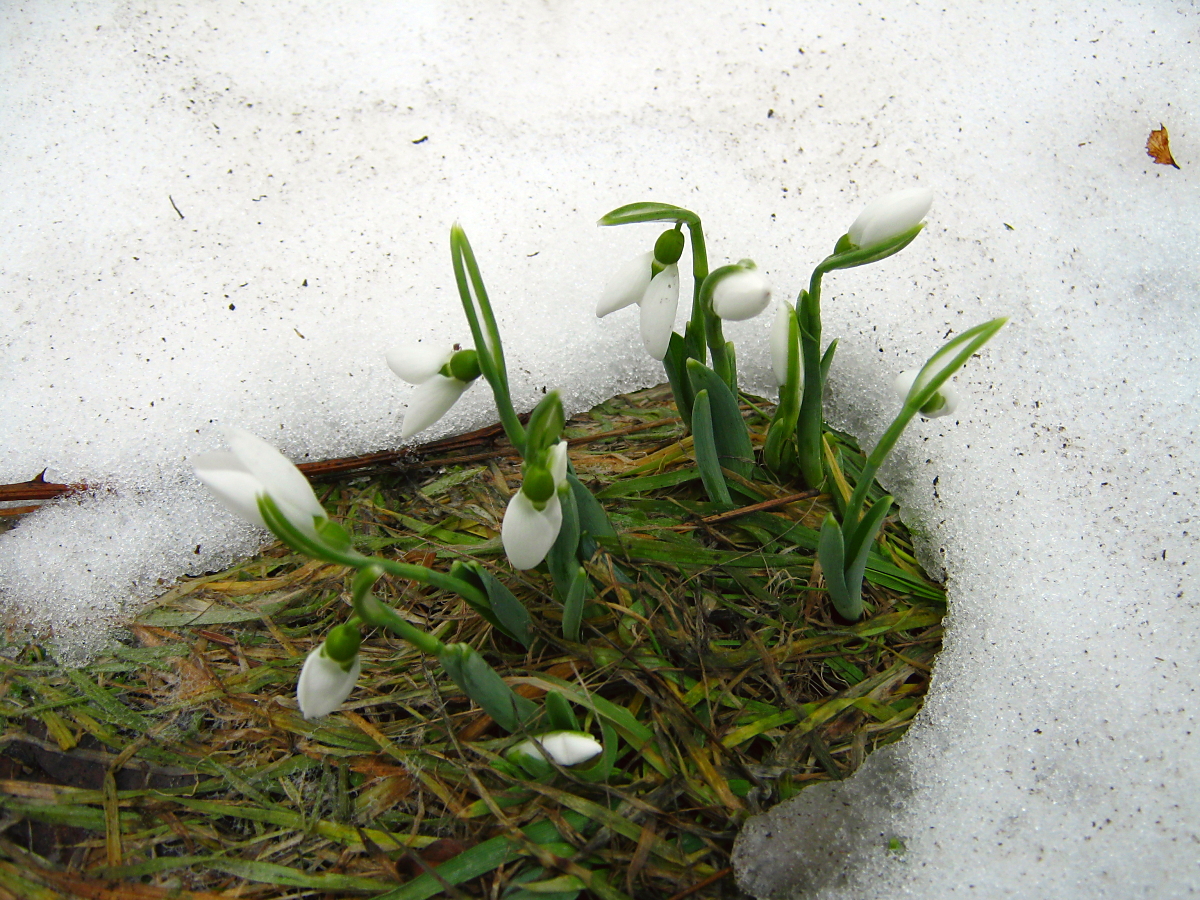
(669, 247)
(464, 365)
(342, 643)
(538, 485)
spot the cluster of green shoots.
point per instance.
(553, 520)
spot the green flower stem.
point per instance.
(486, 334)
(368, 607)
(811, 421)
(722, 352)
(970, 341)
(318, 549)
(700, 316)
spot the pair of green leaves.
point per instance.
(719, 431)
(844, 558)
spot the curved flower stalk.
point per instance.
(441, 375)
(253, 469)
(534, 514)
(329, 673)
(844, 546)
(258, 483)
(885, 227)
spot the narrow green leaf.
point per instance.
(482, 858)
(860, 543)
(563, 558)
(705, 445)
(504, 611)
(675, 363)
(734, 449)
(592, 517)
(831, 551)
(481, 683)
(827, 359)
(573, 607)
(559, 715)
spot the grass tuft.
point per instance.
(711, 663)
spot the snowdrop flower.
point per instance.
(657, 295)
(534, 514)
(944, 402)
(440, 373)
(255, 469)
(329, 673)
(567, 748)
(742, 294)
(889, 216)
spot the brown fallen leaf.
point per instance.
(1158, 147)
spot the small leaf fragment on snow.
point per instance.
(1158, 147)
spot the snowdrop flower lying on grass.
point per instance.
(944, 402)
(534, 514)
(329, 673)
(656, 294)
(441, 375)
(567, 748)
(254, 469)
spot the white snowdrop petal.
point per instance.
(429, 402)
(527, 532)
(659, 304)
(567, 748)
(742, 295)
(887, 216)
(279, 476)
(627, 286)
(231, 483)
(417, 363)
(324, 685)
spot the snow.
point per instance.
(224, 214)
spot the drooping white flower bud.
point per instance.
(741, 295)
(329, 673)
(944, 403)
(889, 216)
(427, 367)
(529, 531)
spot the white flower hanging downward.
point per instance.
(741, 295)
(531, 524)
(656, 294)
(329, 673)
(255, 469)
(440, 373)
